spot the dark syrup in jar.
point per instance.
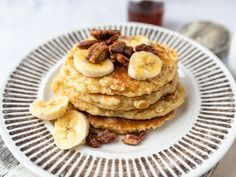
(146, 11)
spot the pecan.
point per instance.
(97, 52)
(120, 47)
(103, 34)
(134, 139)
(86, 44)
(128, 51)
(122, 59)
(92, 140)
(107, 136)
(112, 39)
(117, 47)
(145, 47)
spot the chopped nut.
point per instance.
(107, 136)
(145, 47)
(128, 51)
(112, 39)
(86, 44)
(97, 52)
(122, 59)
(134, 139)
(103, 34)
(117, 47)
(120, 47)
(92, 140)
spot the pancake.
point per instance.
(165, 105)
(118, 82)
(117, 102)
(123, 126)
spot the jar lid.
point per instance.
(211, 35)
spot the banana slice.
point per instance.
(135, 40)
(49, 110)
(144, 65)
(90, 69)
(71, 130)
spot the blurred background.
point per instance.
(24, 24)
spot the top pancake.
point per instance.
(119, 82)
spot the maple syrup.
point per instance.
(146, 11)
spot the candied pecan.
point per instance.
(112, 39)
(97, 52)
(86, 44)
(117, 47)
(113, 57)
(107, 136)
(134, 139)
(103, 34)
(145, 47)
(92, 140)
(128, 51)
(120, 47)
(122, 59)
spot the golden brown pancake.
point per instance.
(119, 82)
(163, 106)
(122, 126)
(118, 102)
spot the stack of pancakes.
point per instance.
(119, 103)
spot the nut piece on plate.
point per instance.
(134, 139)
(97, 52)
(144, 65)
(92, 140)
(120, 58)
(145, 47)
(86, 44)
(71, 129)
(49, 110)
(107, 137)
(120, 47)
(103, 34)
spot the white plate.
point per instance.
(189, 145)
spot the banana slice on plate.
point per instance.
(90, 69)
(144, 65)
(135, 40)
(49, 110)
(71, 130)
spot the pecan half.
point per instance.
(134, 139)
(92, 140)
(117, 47)
(145, 47)
(128, 51)
(107, 136)
(103, 34)
(112, 39)
(97, 52)
(122, 59)
(120, 47)
(86, 44)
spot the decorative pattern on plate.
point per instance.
(207, 140)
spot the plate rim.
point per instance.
(208, 164)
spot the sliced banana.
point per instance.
(135, 40)
(49, 110)
(71, 129)
(144, 65)
(90, 69)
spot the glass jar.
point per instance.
(146, 11)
